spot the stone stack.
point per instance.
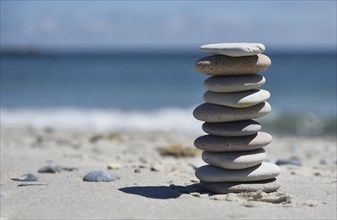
(234, 145)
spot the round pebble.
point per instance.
(218, 65)
(26, 178)
(98, 176)
(235, 128)
(234, 49)
(234, 187)
(234, 160)
(229, 144)
(234, 83)
(263, 171)
(217, 113)
(237, 99)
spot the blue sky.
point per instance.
(168, 24)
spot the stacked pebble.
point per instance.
(234, 145)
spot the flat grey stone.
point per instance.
(242, 99)
(234, 83)
(218, 65)
(229, 144)
(26, 178)
(234, 49)
(98, 176)
(217, 113)
(263, 171)
(234, 187)
(235, 128)
(234, 160)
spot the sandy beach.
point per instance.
(132, 109)
(150, 184)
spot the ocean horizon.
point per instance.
(156, 90)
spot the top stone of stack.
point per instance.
(229, 59)
(234, 49)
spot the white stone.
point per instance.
(234, 83)
(234, 160)
(237, 99)
(234, 49)
(263, 171)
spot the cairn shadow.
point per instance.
(163, 192)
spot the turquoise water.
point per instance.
(301, 85)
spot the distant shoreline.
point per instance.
(34, 52)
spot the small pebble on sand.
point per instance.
(49, 169)
(26, 178)
(296, 161)
(113, 166)
(137, 170)
(55, 169)
(98, 176)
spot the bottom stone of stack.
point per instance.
(267, 186)
(259, 177)
(263, 171)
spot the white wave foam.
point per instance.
(71, 118)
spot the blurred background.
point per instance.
(120, 65)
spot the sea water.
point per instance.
(156, 90)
